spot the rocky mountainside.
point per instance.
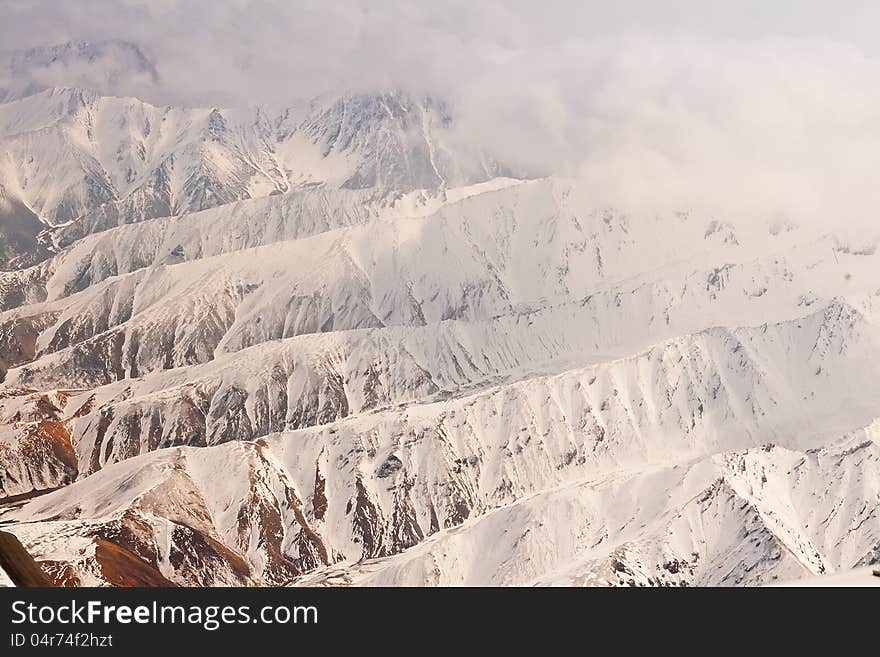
(81, 163)
(328, 346)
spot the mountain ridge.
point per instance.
(333, 345)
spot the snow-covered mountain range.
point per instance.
(330, 344)
(75, 163)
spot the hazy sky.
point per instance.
(269, 50)
(753, 106)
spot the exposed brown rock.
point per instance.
(120, 567)
(197, 559)
(40, 457)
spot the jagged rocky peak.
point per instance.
(84, 163)
(397, 141)
(337, 122)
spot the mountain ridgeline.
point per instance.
(332, 344)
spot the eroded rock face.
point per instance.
(272, 521)
(18, 340)
(172, 528)
(23, 287)
(36, 452)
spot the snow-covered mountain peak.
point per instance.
(83, 163)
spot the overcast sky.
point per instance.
(754, 105)
(269, 50)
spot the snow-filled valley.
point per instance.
(328, 345)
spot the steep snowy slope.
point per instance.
(471, 508)
(85, 163)
(683, 524)
(227, 228)
(472, 260)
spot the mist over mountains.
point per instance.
(614, 326)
